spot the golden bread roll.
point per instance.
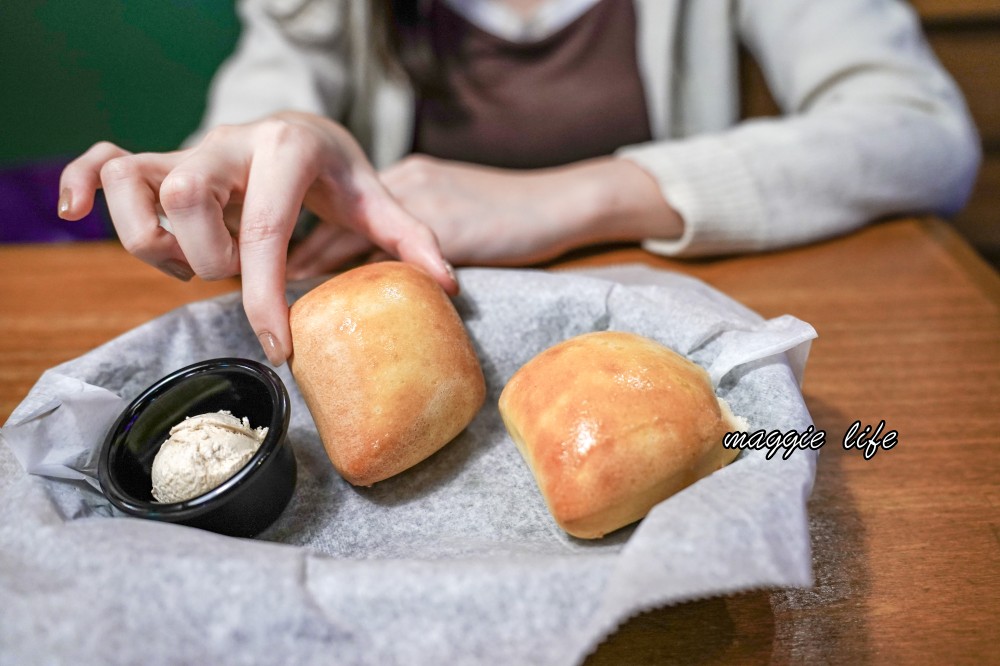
(611, 424)
(386, 368)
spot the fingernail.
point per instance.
(65, 201)
(178, 269)
(450, 270)
(271, 349)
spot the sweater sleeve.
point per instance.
(873, 126)
(291, 55)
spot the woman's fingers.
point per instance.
(270, 167)
(130, 184)
(326, 248)
(399, 233)
(283, 167)
(420, 246)
(81, 179)
(193, 196)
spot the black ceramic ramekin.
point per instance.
(244, 504)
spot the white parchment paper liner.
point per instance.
(455, 561)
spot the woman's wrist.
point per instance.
(611, 199)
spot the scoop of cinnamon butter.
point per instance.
(386, 368)
(611, 424)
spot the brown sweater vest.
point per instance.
(571, 96)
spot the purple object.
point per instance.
(29, 195)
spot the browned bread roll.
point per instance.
(386, 368)
(611, 424)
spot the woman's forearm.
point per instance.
(610, 199)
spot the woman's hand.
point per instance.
(249, 181)
(490, 216)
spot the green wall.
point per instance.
(74, 72)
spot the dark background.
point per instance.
(74, 72)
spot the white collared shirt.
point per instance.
(497, 18)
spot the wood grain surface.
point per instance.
(957, 10)
(906, 545)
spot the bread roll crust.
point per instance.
(386, 368)
(612, 423)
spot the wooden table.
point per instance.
(906, 545)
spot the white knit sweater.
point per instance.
(873, 125)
